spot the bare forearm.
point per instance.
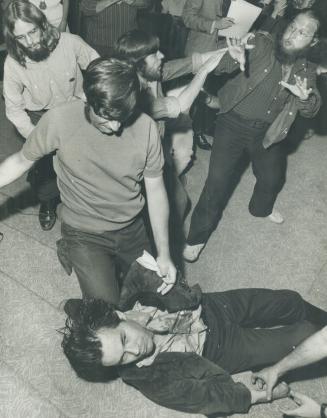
(311, 350)
(13, 167)
(187, 97)
(158, 208)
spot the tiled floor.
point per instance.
(35, 379)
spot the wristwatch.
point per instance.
(323, 410)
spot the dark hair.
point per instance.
(27, 12)
(111, 87)
(80, 343)
(135, 45)
(318, 53)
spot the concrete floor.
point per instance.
(35, 379)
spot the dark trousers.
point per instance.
(234, 136)
(99, 259)
(234, 340)
(42, 176)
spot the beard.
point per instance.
(151, 74)
(288, 56)
(38, 54)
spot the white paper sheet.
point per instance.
(244, 14)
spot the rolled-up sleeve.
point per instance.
(165, 107)
(177, 68)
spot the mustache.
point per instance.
(39, 54)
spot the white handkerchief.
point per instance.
(147, 261)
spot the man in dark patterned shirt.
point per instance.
(106, 20)
(257, 110)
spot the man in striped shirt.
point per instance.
(106, 20)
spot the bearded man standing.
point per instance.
(258, 108)
(42, 70)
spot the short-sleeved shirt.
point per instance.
(98, 175)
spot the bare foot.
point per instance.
(191, 252)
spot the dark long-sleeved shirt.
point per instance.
(105, 27)
(249, 89)
(181, 381)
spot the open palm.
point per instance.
(299, 89)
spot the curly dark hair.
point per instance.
(111, 87)
(81, 344)
(27, 12)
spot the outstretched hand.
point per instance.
(299, 89)
(237, 47)
(265, 379)
(306, 407)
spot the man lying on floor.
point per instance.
(179, 349)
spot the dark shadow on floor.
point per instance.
(21, 201)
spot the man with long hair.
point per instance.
(42, 70)
(103, 151)
(171, 111)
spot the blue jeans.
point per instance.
(234, 136)
(98, 259)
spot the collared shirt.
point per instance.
(262, 64)
(183, 331)
(45, 84)
(266, 101)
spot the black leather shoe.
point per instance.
(202, 142)
(47, 214)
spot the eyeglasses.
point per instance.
(294, 29)
(31, 34)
